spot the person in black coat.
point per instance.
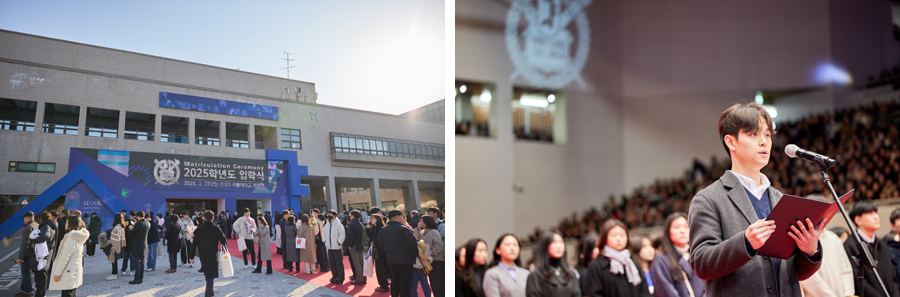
(552, 274)
(865, 215)
(268, 218)
(172, 232)
(94, 227)
(152, 242)
(284, 263)
(354, 241)
(207, 238)
(613, 273)
(381, 270)
(400, 248)
(48, 229)
(139, 232)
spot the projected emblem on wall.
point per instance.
(541, 51)
(166, 172)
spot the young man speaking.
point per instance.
(727, 218)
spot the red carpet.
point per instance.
(319, 278)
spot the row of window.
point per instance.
(31, 167)
(368, 145)
(19, 115)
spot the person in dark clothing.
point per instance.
(127, 256)
(230, 219)
(614, 273)
(207, 238)
(670, 273)
(48, 229)
(354, 241)
(865, 215)
(284, 262)
(61, 230)
(268, 218)
(381, 272)
(95, 227)
(138, 232)
(277, 222)
(321, 251)
(414, 218)
(152, 242)
(401, 250)
(172, 232)
(470, 280)
(893, 240)
(26, 252)
(553, 275)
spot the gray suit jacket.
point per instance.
(498, 283)
(718, 218)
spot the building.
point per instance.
(175, 135)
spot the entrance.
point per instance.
(255, 206)
(178, 206)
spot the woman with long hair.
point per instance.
(552, 274)
(613, 273)
(117, 240)
(307, 255)
(432, 238)
(376, 222)
(290, 249)
(671, 271)
(587, 252)
(470, 279)
(506, 277)
(262, 238)
(642, 253)
(68, 269)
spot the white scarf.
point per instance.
(620, 262)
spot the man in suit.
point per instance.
(139, 231)
(228, 224)
(399, 245)
(355, 232)
(865, 215)
(207, 239)
(726, 218)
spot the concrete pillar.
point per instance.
(375, 192)
(407, 201)
(339, 202)
(414, 201)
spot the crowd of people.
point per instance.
(402, 251)
(619, 264)
(864, 140)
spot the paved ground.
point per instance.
(185, 282)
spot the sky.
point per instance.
(384, 56)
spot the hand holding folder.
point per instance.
(787, 212)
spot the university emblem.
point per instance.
(542, 51)
(166, 171)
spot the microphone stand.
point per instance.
(866, 262)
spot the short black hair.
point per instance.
(208, 215)
(139, 213)
(315, 210)
(246, 210)
(742, 117)
(355, 214)
(394, 213)
(434, 210)
(895, 215)
(862, 207)
(376, 209)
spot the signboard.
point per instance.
(168, 172)
(194, 103)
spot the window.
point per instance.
(15, 166)
(61, 119)
(291, 138)
(102, 123)
(174, 129)
(140, 126)
(536, 113)
(264, 138)
(236, 135)
(206, 132)
(17, 114)
(473, 109)
(358, 144)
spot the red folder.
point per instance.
(786, 213)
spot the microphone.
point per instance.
(795, 152)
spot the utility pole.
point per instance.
(288, 59)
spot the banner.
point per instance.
(188, 102)
(168, 172)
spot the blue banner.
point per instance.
(187, 102)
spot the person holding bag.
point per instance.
(68, 268)
(307, 252)
(207, 238)
(265, 248)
